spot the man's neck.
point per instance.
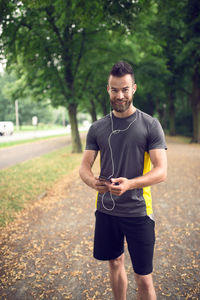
(126, 113)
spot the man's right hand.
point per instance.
(100, 186)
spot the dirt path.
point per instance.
(47, 252)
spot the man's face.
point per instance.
(121, 90)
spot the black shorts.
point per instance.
(140, 236)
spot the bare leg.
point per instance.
(145, 285)
(118, 278)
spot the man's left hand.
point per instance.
(119, 186)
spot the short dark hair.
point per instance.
(122, 68)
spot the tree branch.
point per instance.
(50, 18)
(56, 70)
(185, 91)
(80, 53)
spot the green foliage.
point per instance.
(7, 109)
(175, 28)
(62, 51)
(10, 91)
(183, 116)
(48, 39)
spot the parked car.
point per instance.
(6, 128)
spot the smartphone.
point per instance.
(104, 178)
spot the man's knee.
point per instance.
(117, 262)
(144, 282)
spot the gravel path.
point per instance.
(47, 252)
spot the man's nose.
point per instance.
(120, 95)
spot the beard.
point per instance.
(119, 106)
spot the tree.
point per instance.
(9, 88)
(177, 28)
(149, 62)
(190, 60)
(48, 40)
(93, 77)
(168, 29)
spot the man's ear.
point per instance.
(108, 89)
(134, 88)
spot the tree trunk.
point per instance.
(104, 108)
(196, 124)
(93, 111)
(171, 113)
(76, 141)
(162, 114)
(195, 103)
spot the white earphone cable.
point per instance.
(112, 160)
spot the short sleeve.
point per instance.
(91, 143)
(156, 138)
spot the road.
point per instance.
(25, 135)
(16, 154)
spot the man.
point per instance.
(129, 141)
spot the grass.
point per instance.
(38, 127)
(24, 182)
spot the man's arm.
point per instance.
(86, 173)
(157, 174)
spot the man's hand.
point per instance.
(100, 186)
(119, 186)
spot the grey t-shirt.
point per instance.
(124, 145)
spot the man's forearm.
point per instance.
(121, 184)
(87, 176)
(156, 175)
